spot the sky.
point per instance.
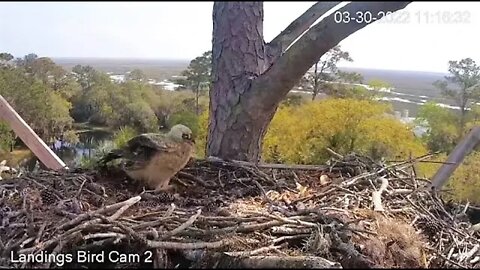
(183, 30)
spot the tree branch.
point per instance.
(300, 25)
(273, 85)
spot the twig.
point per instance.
(289, 220)
(103, 235)
(80, 188)
(445, 258)
(335, 154)
(102, 210)
(182, 227)
(195, 245)
(44, 245)
(290, 237)
(269, 166)
(127, 205)
(255, 251)
(39, 234)
(170, 210)
(193, 178)
(377, 195)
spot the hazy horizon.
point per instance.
(186, 62)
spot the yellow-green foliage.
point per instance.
(301, 134)
(201, 138)
(122, 136)
(428, 169)
(465, 182)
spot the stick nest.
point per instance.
(353, 212)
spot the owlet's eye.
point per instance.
(186, 136)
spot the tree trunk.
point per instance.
(250, 78)
(197, 94)
(237, 123)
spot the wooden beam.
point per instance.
(29, 137)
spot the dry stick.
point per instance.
(288, 262)
(377, 196)
(127, 205)
(126, 229)
(243, 228)
(193, 178)
(102, 210)
(27, 241)
(2, 245)
(397, 166)
(445, 258)
(170, 210)
(13, 245)
(335, 154)
(262, 190)
(153, 223)
(323, 194)
(290, 231)
(255, 251)
(195, 245)
(124, 205)
(104, 235)
(290, 237)
(48, 243)
(182, 227)
(288, 220)
(39, 234)
(238, 163)
(470, 254)
(55, 251)
(80, 188)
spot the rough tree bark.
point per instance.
(251, 77)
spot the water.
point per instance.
(71, 155)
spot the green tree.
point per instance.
(325, 71)
(441, 125)
(198, 75)
(42, 68)
(350, 77)
(45, 110)
(136, 75)
(85, 76)
(379, 85)
(26, 62)
(5, 58)
(465, 78)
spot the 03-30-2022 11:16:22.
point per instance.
(403, 17)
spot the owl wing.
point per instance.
(158, 142)
(142, 148)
